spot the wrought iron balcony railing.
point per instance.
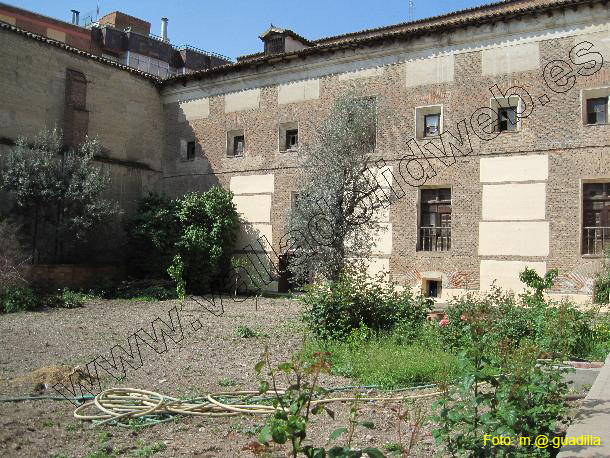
(595, 239)
(434, 238)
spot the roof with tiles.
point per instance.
(499, 11)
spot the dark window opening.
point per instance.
(294, 200)
(597, 110)
(286, 281)
(190, 151)
(292, 139)
(507, 119)
(275, 45)
(435, 221)
(238, 145)
(596, 218)
(432, 124)
(433, 288)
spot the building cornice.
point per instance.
(401, 35)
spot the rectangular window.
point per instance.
(292, 139)
(507, 119)
(275, 45)
(596, 218)
(597, 110)
(431, 124)
(238, 145)
(190, 151)
(435, 220)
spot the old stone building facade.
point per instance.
(532, 191)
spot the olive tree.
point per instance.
(58, 192)
(334, 216)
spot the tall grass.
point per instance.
(388, 361)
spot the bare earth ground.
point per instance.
(213, 354)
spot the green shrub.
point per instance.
(557, 328)
(153, 232)
(18, 299)
(245, 332)
(335, 309)
(525, 400)
(197, 231)
(72, 299)
(208, 230)
(601, 293)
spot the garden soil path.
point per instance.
(213, 358)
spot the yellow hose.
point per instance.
(117, 404)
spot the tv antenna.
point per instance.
(410, 10)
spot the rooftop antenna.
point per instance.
(410, 10)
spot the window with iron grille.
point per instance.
(596, 218)
(190, 151)
(507, 119)
(597, 110)
(435, 220)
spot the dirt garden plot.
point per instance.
(214, 358)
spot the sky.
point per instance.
(232, 27)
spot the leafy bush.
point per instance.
(208, 230)
(295, 406)
(525, 400)
(72, 299)
(555, 327)
(194, 235)
(335, 309)
(18, 299)
(245, 332)
(153, 232)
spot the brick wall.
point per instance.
(575, 152)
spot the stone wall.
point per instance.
(502, 220)
(123, 111)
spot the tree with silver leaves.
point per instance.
(58, 192)
(333, 218)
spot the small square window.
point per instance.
(432, 124)
(238, 145)
(428, 121)
(190, 151)
(597, 110)
(507, 119)
(288, 136)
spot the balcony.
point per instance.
(595, 240)
(434, 238)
